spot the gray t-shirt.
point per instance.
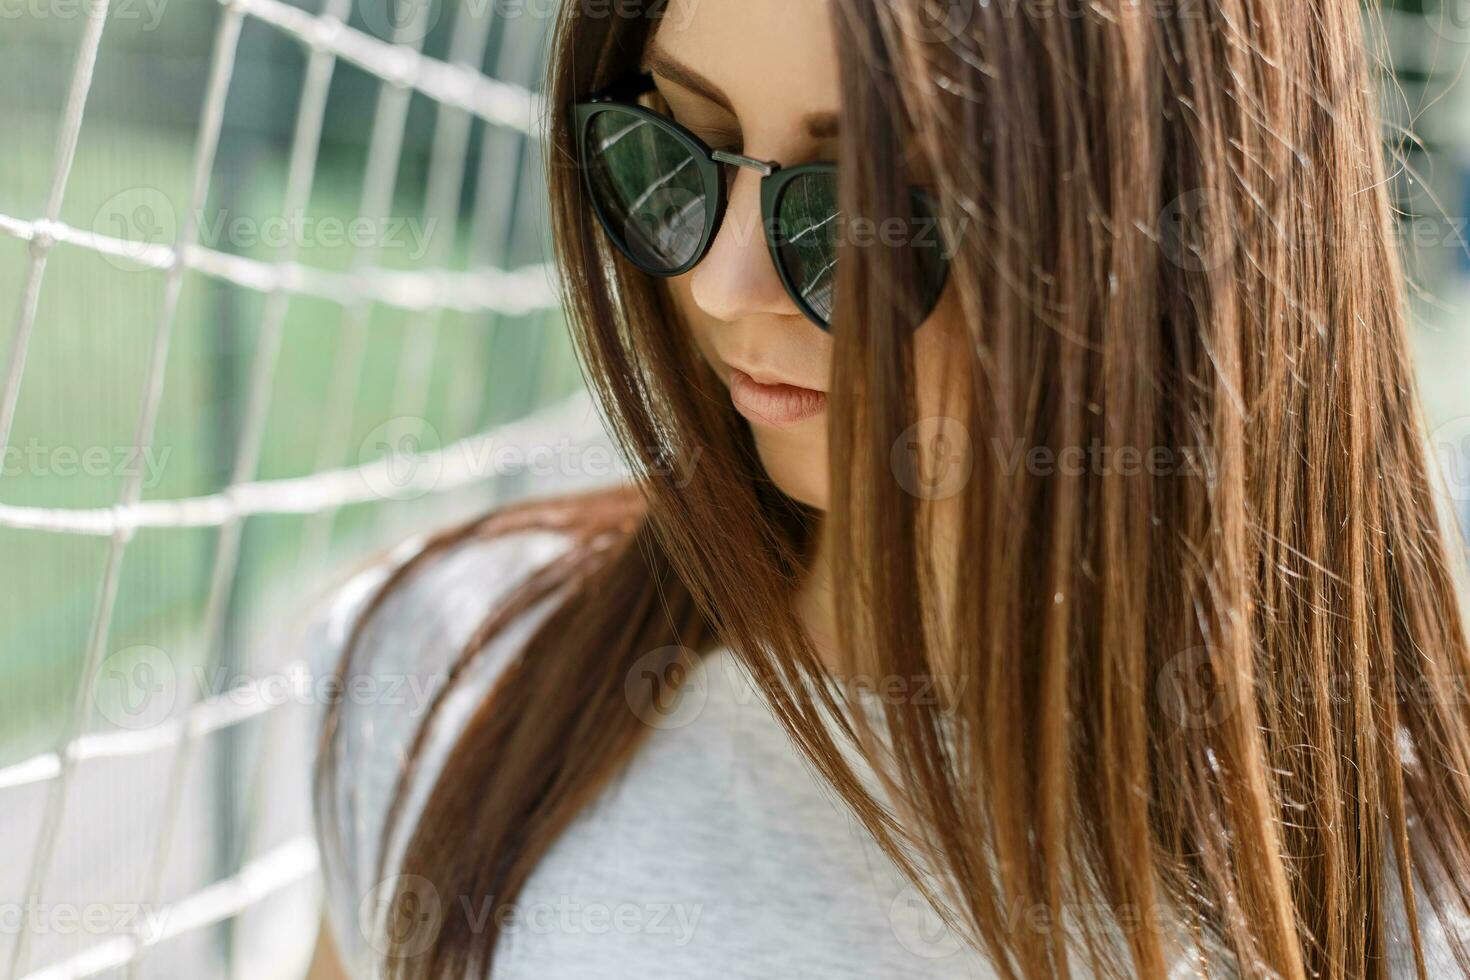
(716, 853)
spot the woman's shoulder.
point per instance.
(410, 610)
(416, 605)
(398, 653)
(382, 646)
(1441, 929)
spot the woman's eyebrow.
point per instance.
(657, 61)
(819, 125)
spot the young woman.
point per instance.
(1033, 566)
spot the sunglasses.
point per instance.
(660, 193)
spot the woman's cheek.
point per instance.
(700, 325)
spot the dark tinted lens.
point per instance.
(650, 188)
(807, 225)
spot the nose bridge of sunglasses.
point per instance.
(761, 167)
(752, 230)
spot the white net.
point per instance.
(152, 781)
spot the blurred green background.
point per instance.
(244, 790)
(84, 376)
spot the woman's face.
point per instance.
(760, 77)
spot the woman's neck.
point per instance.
(815, 604)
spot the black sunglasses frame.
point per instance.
(774, 180)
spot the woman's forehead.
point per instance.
(770, 58)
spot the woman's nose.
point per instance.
(737, 278)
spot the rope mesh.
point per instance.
(462, 94)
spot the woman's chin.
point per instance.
(795, 459)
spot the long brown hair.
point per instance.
(1178, 243)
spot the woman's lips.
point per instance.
(774, 404)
